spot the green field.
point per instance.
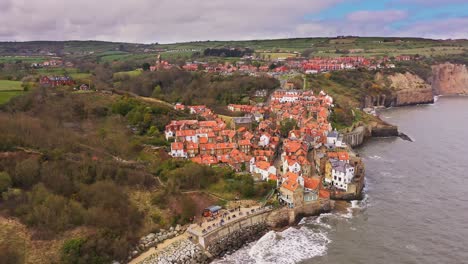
(9, 89)
(134, 73)
(80, 76)
(10, 86)
(276, 55)
(125, 56)
(5, 96)
(14, 59)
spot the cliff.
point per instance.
(450, 79)
(399, 89)
(410, 89)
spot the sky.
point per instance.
(169, 21)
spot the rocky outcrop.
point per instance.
(180, 252)
(450, 79)
(410, 89)
(153, 239)
(385, 131)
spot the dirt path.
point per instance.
(143, 98)
(159, 248)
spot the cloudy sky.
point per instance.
(167, 21)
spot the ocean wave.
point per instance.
(289, 246)
(307, 240)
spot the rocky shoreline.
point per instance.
(180, 252)
(153, 239)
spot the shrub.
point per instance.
(71, 251)
(26, 173)
(5, 181)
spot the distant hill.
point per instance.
(324, 45)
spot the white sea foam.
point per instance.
(307, 240)
(289, 246)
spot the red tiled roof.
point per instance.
(290, 185)
(262, 165)
(324, 194)
(177, 146)
(272, 177)
(311, 183)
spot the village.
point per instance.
(308, 162)
(287, 65)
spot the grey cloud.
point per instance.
(184, 20)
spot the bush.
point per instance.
(5, 181)
(26, 173)
(48, 211)
(71, 251)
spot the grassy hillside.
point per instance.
(110, 51)
(96, 162)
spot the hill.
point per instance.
(87, 174)
(367, 46)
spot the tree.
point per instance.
(26, 173)
(286, 126)
(5, 181)
(146, 66)
(307, 52)
(157, 92)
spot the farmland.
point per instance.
(9, 89)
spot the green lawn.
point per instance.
(56, 71)
(5, 96)
(28, 59)
(129, 73)
(126, 56)
(80, 76)
(10, 86)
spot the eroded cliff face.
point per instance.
(409, 89)
(449, 79)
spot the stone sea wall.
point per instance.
(235, 240)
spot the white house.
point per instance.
(291, 165)
(187, 135)
(258, 117)
(264, 140)
(332, 137)
(263, 168)
(177, 150)
(169, 134)
(289, 99)
(342, 175)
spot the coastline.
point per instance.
(340, 203)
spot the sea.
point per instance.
(415, 208)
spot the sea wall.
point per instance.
(236, 239)
(384, 131)
(356, 137)
(449, 79)
(232, 235)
